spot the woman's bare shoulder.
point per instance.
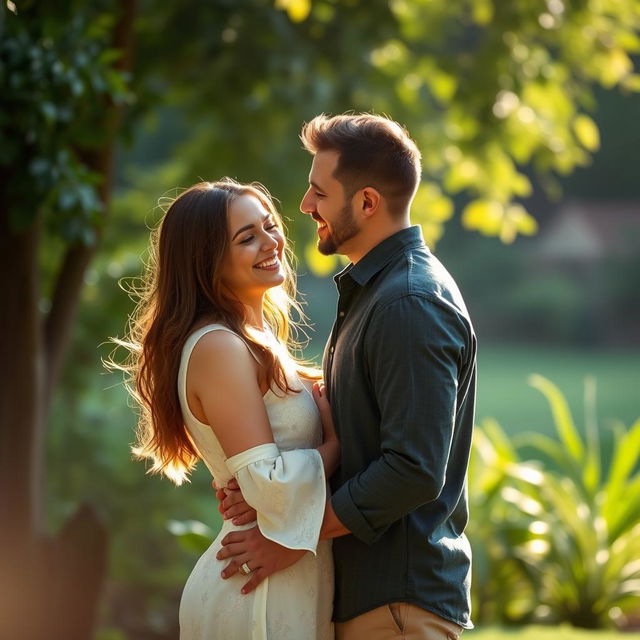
(220, 351)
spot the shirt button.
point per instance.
(341, 314)
(331, 350)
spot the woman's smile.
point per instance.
(271, 264)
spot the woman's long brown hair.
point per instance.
(182, 289)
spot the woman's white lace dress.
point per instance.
(286, 485)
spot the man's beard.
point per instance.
(344, 229)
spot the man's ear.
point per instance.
(370, 201)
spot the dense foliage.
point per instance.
(497, 94)
(555, 532)
(58, 72)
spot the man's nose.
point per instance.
(305, 205)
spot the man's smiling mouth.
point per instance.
(319, 220)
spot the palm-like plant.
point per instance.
(502, 589)
(584, 520)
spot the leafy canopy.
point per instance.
(494, 93)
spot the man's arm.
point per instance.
(332, 527)
(232, 505)
(413, 350)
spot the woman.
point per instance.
(215, 381)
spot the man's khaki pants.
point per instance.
(397, 620)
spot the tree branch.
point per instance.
(69, 282)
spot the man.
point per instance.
(400, 369)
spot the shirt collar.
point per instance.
(381, 255)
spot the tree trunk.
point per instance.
(21, 378)
(49, 587)
(78, 561)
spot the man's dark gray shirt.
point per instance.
(400, 368)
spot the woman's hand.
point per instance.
(330, 447)
(320, 397)
(263, 557)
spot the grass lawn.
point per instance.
(504, 394)
(546, 633)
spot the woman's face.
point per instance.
(253, 261)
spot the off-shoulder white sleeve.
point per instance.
(288, 491)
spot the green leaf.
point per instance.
(562, 419)
(586, 131)
(298, 10)
(49, 111)
(482, 11)
(545, 445)
(192, 535)
(626, 456)
(503, 447)
(592, 471)
(484, 216)
(430, 209)
(516, 220)
(625, 512)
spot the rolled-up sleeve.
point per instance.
(288, 491)
(412, 351)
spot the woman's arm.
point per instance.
(286, 488)
(231, 503)
(223, 392)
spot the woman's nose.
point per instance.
(269, 242)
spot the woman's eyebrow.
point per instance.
(248, 226)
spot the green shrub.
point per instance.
(502, 589)
(556, 537)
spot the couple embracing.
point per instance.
(344, 492)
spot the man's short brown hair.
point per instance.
(373, 152)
